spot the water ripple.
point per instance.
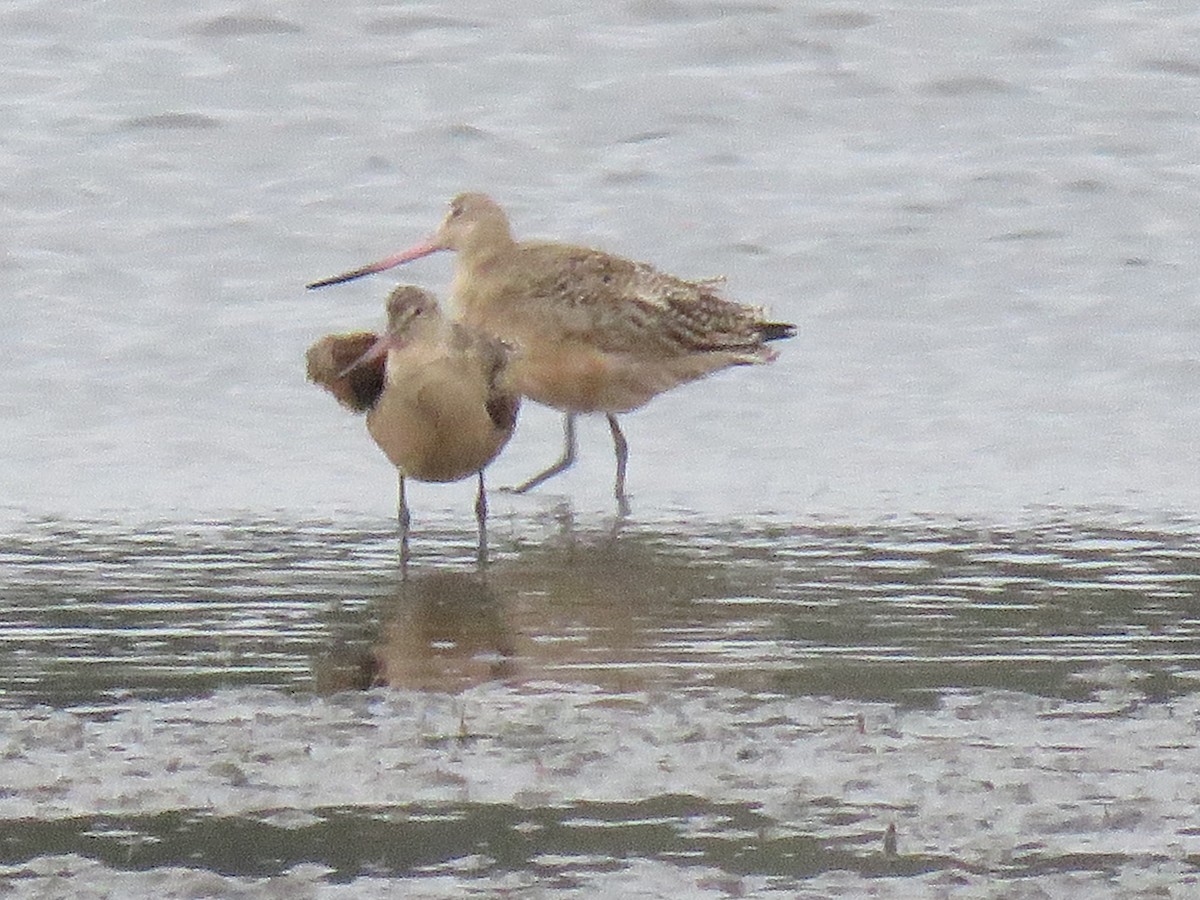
(900, 613)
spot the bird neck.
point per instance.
(489, 245)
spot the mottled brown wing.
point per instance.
(358, 389)
(622, 306)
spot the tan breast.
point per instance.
(432, 420)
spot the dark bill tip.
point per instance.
(340, 279)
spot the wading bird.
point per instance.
(438, 394)
(593, 332)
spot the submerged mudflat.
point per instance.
(641, 710)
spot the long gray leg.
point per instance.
(481, 511)
(622, 448)
(405, 520)
(565, 461)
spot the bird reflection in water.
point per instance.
(444, 630)
(579, 605)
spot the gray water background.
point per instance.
(935, 568)
(980, 216)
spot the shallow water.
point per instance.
(617, 708)
(933, 569)
(892, 614)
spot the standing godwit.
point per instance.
(593, 332)
(436, 393)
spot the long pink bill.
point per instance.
(423, 249)
(382, 345)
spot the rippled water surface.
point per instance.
(911, 612)
(709, 709)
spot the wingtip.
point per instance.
(777, 331)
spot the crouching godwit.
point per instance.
(593, 332)
(437, 394)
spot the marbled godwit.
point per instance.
(436, 393)
(593, 332)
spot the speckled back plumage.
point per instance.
(623, 306)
